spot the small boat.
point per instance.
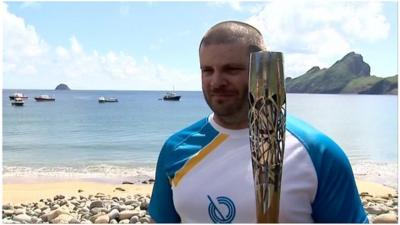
(171, 96)
(17, 102)
(104, 99)
(18, 95)
(44, 98)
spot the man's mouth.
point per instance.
(225, 94)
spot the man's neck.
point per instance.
(232, 123)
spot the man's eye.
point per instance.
(234, 70)
(206, 71)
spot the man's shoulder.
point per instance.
(194, 129)
(182, 145)
(321, 148)
(336, 200)
(307, 134)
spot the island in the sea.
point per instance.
(350, 75)
(62, 87)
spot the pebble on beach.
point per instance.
(98, 209)
(380, 209)
(101, 208)
(119, 189)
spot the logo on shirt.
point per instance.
(222, 210)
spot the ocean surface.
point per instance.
(77, 137)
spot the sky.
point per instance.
(153, 45)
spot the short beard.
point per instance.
(233, 114)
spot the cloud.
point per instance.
(30, 4)
(75, 46)
(21, 44)
(237, 5)
(318, 32)
(30, 62)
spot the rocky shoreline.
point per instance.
(101, 208)
(380, 209)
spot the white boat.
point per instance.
(18, 95)
(17, 102)
(104, 99)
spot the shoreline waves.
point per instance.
(377, 172)
(102, 174)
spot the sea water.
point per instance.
(77, 137)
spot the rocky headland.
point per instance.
(349, 75)
(62, 87)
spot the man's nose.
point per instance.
(218, 80)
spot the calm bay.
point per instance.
(76, 136)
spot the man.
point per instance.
(204, 172)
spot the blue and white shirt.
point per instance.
(204, 175)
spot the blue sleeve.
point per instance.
(161, 206)
(337, 199)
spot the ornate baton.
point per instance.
(267, 122)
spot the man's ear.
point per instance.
(254, 48)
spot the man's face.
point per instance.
(224, 73)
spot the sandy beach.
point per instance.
(374, 188)
(17, 193)
(32, 192)
(380, 202)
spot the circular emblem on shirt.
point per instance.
(221, 210)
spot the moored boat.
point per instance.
(171, 96)
(17, 102)
(104, 99)
(44, 98)
(18, 95)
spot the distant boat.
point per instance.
(44, 98)
(17, 95)
(104, 99)
(171, 96)
(17, 101)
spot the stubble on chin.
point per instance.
(229, 112)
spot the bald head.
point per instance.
(229, 32)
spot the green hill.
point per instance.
(348, 75)
(384, 86)
(360, 84)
